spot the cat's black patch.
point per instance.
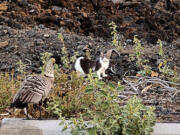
(98, 65)
(87, 64)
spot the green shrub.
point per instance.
(161, 51)
(163, 66)
(66, 59)
(44, 59)
(137, 119)
(138, 56)
(138, 52)
(115, 42)
(107, 117)
(21, 67)
(68, 95)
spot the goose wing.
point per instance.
(33, 89)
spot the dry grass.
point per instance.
(8, 87)
(68, 94)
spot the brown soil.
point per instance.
(149, 19)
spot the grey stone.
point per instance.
(177, 43)
(29, 33)
(56, 8)
(117, 1)
(31, 11)
(29, 44)
(17, 126)
(46, 35)
(39, 42)
(41, 26)
(80, 47)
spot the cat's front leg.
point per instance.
(103, 73)
(99, 74)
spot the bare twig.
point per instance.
(4, 114)
(136, 83)
(129, 83)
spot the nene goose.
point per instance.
(35, 89)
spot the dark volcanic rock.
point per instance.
(28, 45)
(150, 19)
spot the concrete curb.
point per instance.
(167, 129)
(17, 126)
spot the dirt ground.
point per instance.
(30, 27)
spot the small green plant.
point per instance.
(64, 58)
(132, 57)
(73, 58)
(21, 67)
(105, 116)
(137, 119)
(88, 53)
(138, 52)
(163, 66)
(44, 58)
(67, 62)
(114, 33)
(61, 37)
(146, 70)
(175, 77)
(161, 52)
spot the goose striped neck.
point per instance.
(49, 70)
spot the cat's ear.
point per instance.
(108, 54)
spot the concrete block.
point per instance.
(17, 126)
(167, 129)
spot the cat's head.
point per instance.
(105, 59)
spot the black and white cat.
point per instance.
(83, 65)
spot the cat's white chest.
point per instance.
(104, 63)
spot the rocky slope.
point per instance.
(149, 19)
